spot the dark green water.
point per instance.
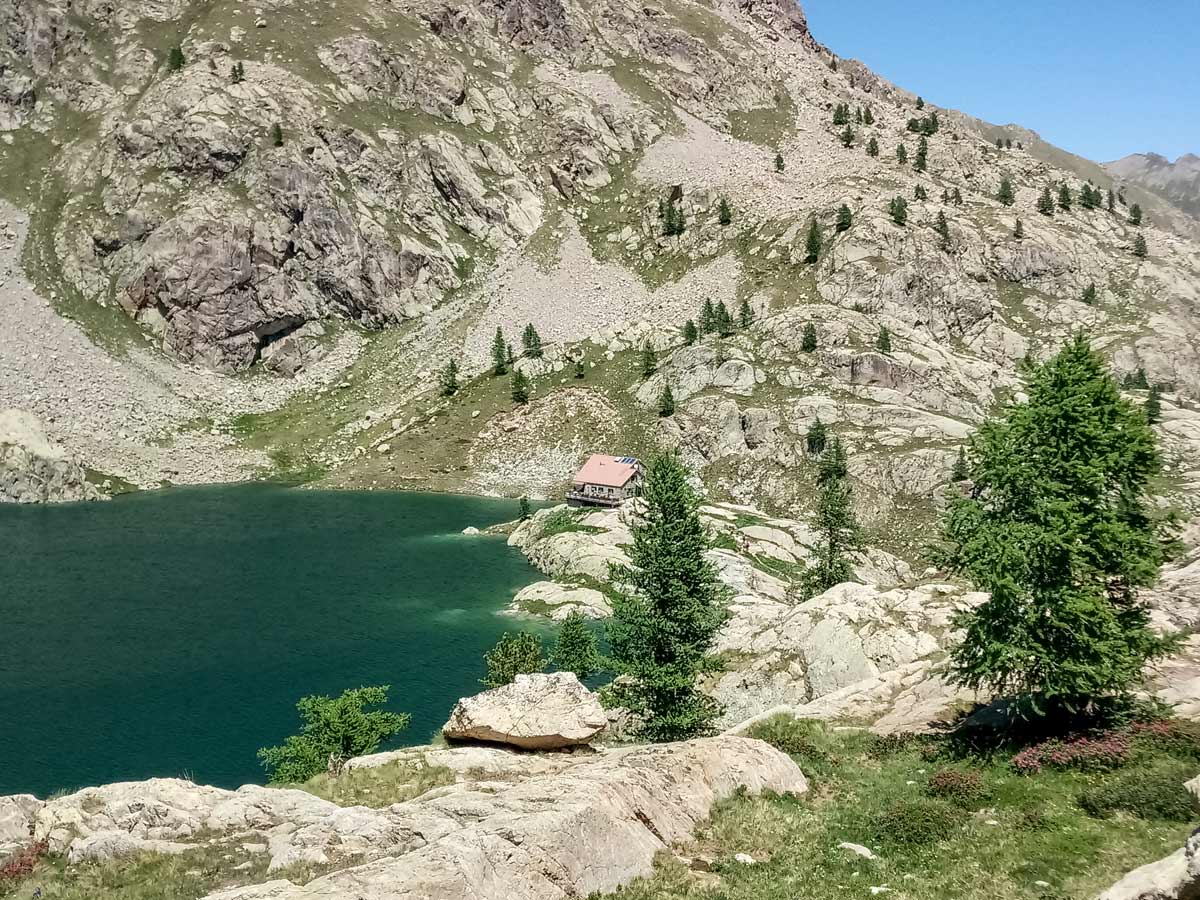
(171, 633)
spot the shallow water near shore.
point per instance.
(171, 633)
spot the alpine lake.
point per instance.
(170, 633)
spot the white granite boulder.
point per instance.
(535, 712)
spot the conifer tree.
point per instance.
(531, 342)
(812, 243)
(808, 342)
(898, 209)
(1140, 249)
(745, 314)
(920, 103)
(1112, 201)
(524, 511)
(690, 333)
(845, 218)
(175, 59)
(942, 227)
(277, 135)
(575, 650)
(513, 655)
(667, 614)
(666, 403)
(1019, 230)
(848, 137)
(1006, 194)
(520, 388)
(778, 162)
(958, 198)
(902, 154)
(872, 147)
(817, 437)
(1064, 197)
(868, 116)
(883, 343)
(649, 363)
(1086, 199)
(724, 321)
(499, 354)
(921, 163)
(708, 317)
(1135, 214)
(1089, 294)
(919, 192)
(841, 114)
(1060, 530)
(835, 523)
(508, 354)
(961, 470)
(858, 116)
(580, 368)
(1153, 405)
(449, 379)
(724, 213)
(1045, 204)
(1008, 143)
(238, 74)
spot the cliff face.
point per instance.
(442, 170)
(1178, 182)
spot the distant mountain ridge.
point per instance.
(1178, 182)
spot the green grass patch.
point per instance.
(982, 833)
(567, 520)
(378, 787)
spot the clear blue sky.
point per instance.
(1101, 78)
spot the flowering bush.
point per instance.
(21, 864)
(1098, 753)
(1176, 737)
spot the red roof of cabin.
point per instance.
(607, 471)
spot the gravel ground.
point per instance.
(122, 416)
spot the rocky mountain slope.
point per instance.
(440, 171)
(1177, 182)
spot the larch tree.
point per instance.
(1059, 528)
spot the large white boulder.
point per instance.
(534, 712)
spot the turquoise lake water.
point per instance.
(170, 633)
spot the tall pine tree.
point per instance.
(838, 530)
(499, 353)
(665, 618)
(812, 243)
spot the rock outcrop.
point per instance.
(534, 712)
(33, 468)
(513, 824)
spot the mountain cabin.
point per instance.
(606, 481)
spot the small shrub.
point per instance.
(962, 788)
(22, 863)
(884, 746)
(1147, 795)
(911, 823)
(1101, 753)
(801, 738)
(1034, 820)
